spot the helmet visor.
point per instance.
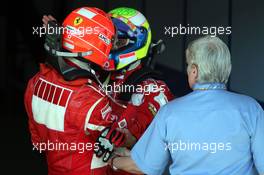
(124, 35)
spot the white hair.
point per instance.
(212, 58)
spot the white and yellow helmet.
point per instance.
(133, 36)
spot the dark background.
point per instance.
(20, 53)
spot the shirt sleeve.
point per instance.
(150, 153)
(257, 141)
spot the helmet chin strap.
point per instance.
(80, 64)
(66, 54)
(134, 65)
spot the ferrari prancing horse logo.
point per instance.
(78, 20)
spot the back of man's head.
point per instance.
(212, 58)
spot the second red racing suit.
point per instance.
(142, 106)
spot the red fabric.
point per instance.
(77, 98)
(139, 117)
(137, 124)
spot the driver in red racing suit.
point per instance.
(143, 102)
(66, 106)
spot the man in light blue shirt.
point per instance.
(208, 132)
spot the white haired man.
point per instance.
(208, 132)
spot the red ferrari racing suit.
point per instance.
(65, 118)
(150, 95)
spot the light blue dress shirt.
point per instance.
(208, 132)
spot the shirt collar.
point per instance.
(209, 86)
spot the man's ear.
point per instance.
(195, 70)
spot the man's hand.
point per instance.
(46, 19)
(107, 141)
(125, 164)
